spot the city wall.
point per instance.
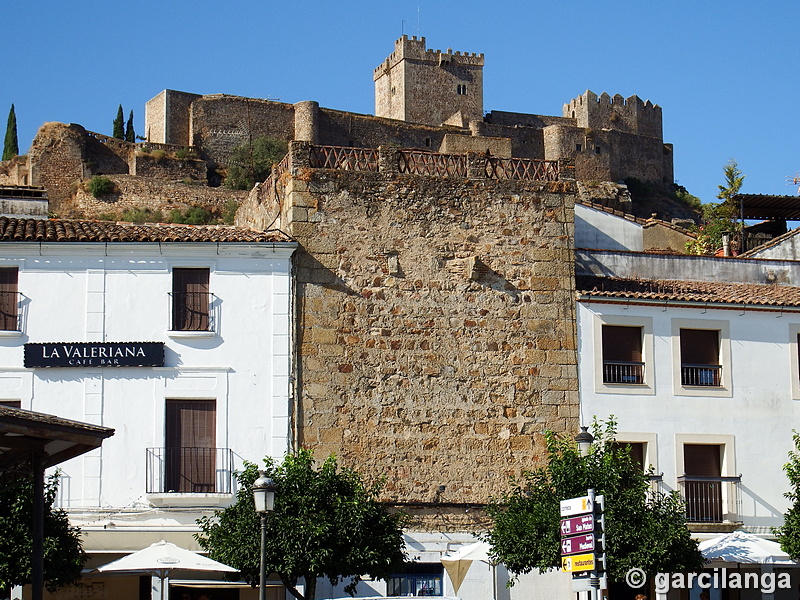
(436, 328)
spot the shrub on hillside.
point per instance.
(100, 185)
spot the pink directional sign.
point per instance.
(577, 544)
(576, 525)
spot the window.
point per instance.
(709, 485)
(461, 90)
(702, 465)
(578, 148)
(700, 364)
(11, 403)
(622, 354)
(418, 579)
(701, 358)
(637, 450)
(190, 453)
(597, 149)
(9, 299)
(190, 300)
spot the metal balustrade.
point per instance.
(701, 375)
(346, 159)
(418, 162)
(189, 470)
(192, 311)
(10, 311)
(521, 169)
(623, 372)
(711, 499)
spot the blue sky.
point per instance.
(724, 73)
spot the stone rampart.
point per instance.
(145, 164)
(436, 327)
(134, 192)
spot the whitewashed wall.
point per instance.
(120, 293)
(757, 413)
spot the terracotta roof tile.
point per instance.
(71, 230)
(689, 291)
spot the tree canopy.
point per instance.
(63, 554)
(643, 528)
(252, 162)
(11, 144)
(721, 217)
(327, 522)
(119, 124)
(788, 534)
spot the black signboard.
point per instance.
(95, 354)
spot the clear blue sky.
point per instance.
(725, 73)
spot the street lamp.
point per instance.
(264, 497)
(585, 440)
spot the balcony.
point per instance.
(189, 471)
(701, 375)
(711, 500)
(193, 314)
(623, 372)
(11, 312)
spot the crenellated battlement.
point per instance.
(414, 48)
(629, 115)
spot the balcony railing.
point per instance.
(10, 313)
(189, 470)
(623, 372)
(711, 499)
(701, 375)
(192, 311)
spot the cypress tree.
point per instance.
(11, 145)
(130, 134)
(119, 124)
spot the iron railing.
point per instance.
(711, 499)
(419, 162)
(521, 168)
(701, 375)
(189, 470)
(192, 311)
(346, 159)
(623, 372)
(10, 311)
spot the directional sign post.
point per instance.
(577, 506)
(582, 539)
(576, 544)
(575, 525)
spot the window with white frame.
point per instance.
(623, 351)
(701, 357)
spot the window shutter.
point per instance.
(702, 460)
(8, 299)
(699, 346)
(190, 299)
(622, 343)
(191, 445)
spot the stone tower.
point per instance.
(429, 86)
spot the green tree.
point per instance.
(733, 183)
(643, 528)
(130, 134)
(11, 145)
(63, 554)
(721, 217)
(252, 163)
(327, 522)
(788, 534)
(119, 124)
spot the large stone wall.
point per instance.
(436, 328)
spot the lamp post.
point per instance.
(264, 497)
(585, 440)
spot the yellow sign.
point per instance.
(578, 562)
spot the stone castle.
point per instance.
(425, 99)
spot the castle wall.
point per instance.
(436, 322)
(14, 171)
(628, 115)
(167, 117)
(134, 192)
(220, 123)
(57, 160)
(146, 165)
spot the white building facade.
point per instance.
(178, 337)
(696, 358)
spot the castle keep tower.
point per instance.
(429, 86)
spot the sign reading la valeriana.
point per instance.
(94, 354)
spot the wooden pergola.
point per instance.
(31, 442)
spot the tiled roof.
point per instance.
(752, 294)
(771, 243)
(69, 230)
(633, 218)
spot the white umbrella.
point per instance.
(458, 563)
(743, 547)
(162, 559)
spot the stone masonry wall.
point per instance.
(436, 326)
